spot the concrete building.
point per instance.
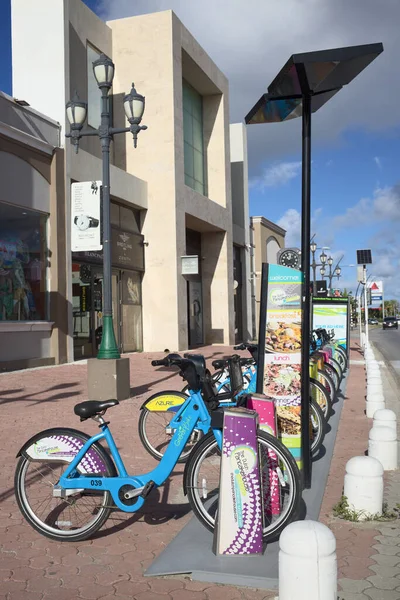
(241, 233)
(171, 197)
(32, 209)
(267, 239)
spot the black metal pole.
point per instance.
(108, 347)
(306, 304)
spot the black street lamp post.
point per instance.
(134, 104)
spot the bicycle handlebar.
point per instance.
(159, 363)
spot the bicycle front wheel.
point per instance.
(202, 474)
(43, 460)
(318, 427)
(320, 394)
(341, 358)
(156, 433)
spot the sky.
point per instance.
(356, 135)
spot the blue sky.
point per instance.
(356, 136)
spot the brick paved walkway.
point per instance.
(110, 566)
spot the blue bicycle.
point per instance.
(159, 416)
(66, 484)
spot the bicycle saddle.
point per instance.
(88, 409)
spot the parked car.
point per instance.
(390, 323)
(373, 321)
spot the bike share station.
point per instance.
(236, 555)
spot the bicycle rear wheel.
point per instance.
(202, 474)
(43, 460)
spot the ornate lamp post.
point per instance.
(134, 103)
(314, 265)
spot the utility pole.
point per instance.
(365, 304)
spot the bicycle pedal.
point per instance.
(147, 489)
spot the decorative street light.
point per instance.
(134, 103)
(322, 271)
(314, 265)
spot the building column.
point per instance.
(217, 277)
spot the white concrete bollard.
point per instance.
(385, 418)
(374, 402)
(307, 562)
(382, 445)
(374, 388)
(374, 378)
(363, 485)
(371, 363)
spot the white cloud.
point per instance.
(383, 211)
(276, 175)
(383, 206)
(291, 221)
(378, 162)
(249, 42)
(329, 163)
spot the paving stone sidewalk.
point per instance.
(368, 553)
(111, 565)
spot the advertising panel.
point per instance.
(85, 216)
(332, 314)
(376, 289)
(240, 522)
(279, 366)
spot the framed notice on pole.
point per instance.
(85, 216)
(333, 314)
(279, 365)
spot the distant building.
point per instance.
(267, 239)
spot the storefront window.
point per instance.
(22, 264)
(125, 217)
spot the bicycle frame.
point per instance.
(194, 415)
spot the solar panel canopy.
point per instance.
(364, 257)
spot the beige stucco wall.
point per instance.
(262, 231)
(156, 51)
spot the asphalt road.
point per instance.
(388, 344)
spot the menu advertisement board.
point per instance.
(279, 366)
(332, 314)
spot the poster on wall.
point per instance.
(332, 314)
(279, 366)
(85, 216)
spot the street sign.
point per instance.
(322, 290)
(190, 265)
(85, 216)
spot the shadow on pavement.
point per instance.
(29, 397)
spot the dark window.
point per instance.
(193, 139)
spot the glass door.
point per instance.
(131, 311)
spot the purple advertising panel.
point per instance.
(240, 521)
